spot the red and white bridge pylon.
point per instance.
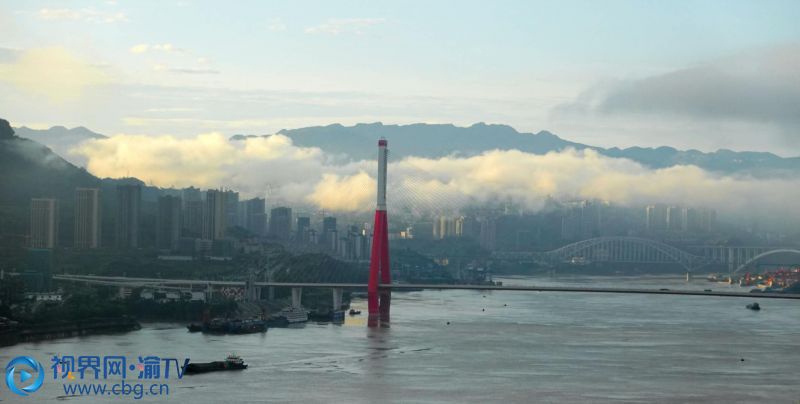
(380, 300)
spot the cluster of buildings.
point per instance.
(661, 218)
(559, 223)
(187, 222)
(191, 222)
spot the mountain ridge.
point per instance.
(356, 142)
(439, 140)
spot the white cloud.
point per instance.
(159, 47)
(344, 26)
(141, 48)
(172, 109)
(85, 14)
(306, 176)
(757, 91)
(184, 70)
(54, 73)
(276, 25)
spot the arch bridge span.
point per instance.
(753, 260)
(624, 249)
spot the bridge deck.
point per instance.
(155, 282)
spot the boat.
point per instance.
(288, 316)
(229, 326)
(720, 278)
(354, 312)
(232, 362)
(753, 306)
(246, 326)
(294, 314)
(326, 315)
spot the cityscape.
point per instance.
(529, 201)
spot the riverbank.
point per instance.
(65, 329)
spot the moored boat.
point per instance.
(229, 326)
(288, 316)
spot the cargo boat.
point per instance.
(229, 326)
(232, 362)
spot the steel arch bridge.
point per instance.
(624, 249)
(766, 254)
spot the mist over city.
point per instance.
(332, 193)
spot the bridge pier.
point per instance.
(297, 297)
(209, 292)
(337, 298)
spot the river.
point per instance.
(498, 346)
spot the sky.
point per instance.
(689, 74)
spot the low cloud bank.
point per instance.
(308, 177)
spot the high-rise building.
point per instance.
(193, 219)
(656, 218)
(191, 194)
(280, 223)
(360, 249)
(676, 218)
(458, 226)
(129, 201)
(254, 215)
(445, 227)
(470, 228)
(328, 236)
(701, 220)
(87, 218)
(231, 207)
(302, 227)
(580, 220)
(44, 223)
(215, 217)
(488, 238)
(168, 225)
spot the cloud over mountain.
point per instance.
(306, 176)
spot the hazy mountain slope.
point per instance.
(61, 139)
(31, 170)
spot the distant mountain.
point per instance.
(437, 140)
(358, 142)
(61, 139)
(424, 140)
